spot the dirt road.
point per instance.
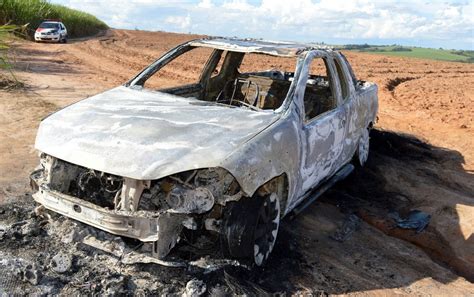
(432, 171)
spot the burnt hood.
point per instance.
(147, 135)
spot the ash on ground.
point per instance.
(44, 253)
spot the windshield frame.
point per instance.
(56, 25)
(139, 80)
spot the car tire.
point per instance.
(363, 147)
(251, 228)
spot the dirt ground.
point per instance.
(422, 158)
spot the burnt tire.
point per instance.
(251, 227)
(363, 148)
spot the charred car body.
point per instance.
(224, 157)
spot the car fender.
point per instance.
(273, 152)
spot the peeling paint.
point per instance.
(146, 164)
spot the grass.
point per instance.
(5, 32)
(33, 12)
(422, 53)
(9, 81)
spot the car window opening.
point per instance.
(319, 94)
(49, 26)
(253, 81)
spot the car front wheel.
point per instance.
(251, 228)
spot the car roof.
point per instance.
(53, 22)
(274, 48)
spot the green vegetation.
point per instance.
(33, 12)
(7, 81)
(415, 52)
(5, 31)
(468, 54)
(401, 49)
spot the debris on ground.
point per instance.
(195, 287)
(43, 253)
(350, 225)
(8, 83)
(31, 274)
(115, 285)
(416, 219)
(61, 263)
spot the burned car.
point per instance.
(208, 143)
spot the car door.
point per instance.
(323, 132)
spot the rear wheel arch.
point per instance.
(363, 146)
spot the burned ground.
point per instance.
(306, 259)
(431, 172)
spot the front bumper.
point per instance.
(39, 37)
(144, 228)
(161, 228)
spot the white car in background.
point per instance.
(52, 31)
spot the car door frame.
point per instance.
(352, 105)
(189, 89)
(315, 168)
(63, 30)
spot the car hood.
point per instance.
(147, 135)
(46, 30)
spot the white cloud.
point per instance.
(436, 23)
(179, 21)
(205, 4)
(237, 5)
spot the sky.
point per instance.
(446, 24)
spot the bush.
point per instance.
(375, 49)
(5, 31)
(33, 12)
(356, 46)
(7, 82)
(466, 53)
(401, 49)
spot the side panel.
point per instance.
(324, 140)
(368, 96)
(274, 151)
(362, 105)
(362, 111)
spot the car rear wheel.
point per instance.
(251, 228)
(363, 147)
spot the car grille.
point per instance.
(90, 185)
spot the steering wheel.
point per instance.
(251, 104)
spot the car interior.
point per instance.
(225, 79)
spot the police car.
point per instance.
(52, 31)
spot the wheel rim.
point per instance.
(266, 229)
(364, 147)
